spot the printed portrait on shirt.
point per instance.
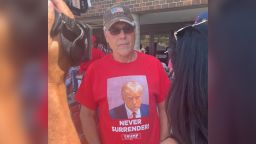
(128, 97)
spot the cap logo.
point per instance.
(117, 10)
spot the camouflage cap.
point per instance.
(115, 14)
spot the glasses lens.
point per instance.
(126, 29)
(199, 27)
(114, 31)
(181, 31)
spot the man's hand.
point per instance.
(61, 7)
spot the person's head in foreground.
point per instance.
(187, 106)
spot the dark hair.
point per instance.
(187, 105)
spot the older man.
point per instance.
(100, 89)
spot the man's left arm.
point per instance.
(164, 126)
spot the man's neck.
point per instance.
(125, 59)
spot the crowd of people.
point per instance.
(126, 96)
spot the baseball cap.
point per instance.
(115, 14)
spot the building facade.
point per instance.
(156, 20)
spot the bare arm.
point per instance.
(164, 126)
(61, 129)
(88, 121)
(61, 6)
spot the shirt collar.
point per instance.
(129, 112)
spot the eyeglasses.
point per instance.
(127, 29)
(199, 27)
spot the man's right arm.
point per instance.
(88, 121)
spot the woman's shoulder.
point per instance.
(169, 141)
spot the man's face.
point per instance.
(132, 99)
(121, 42)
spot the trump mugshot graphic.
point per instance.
(128, 97)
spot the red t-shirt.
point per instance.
(101, 90)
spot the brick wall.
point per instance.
(138, 6)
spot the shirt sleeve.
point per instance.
(164, 83)
(84, 94)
